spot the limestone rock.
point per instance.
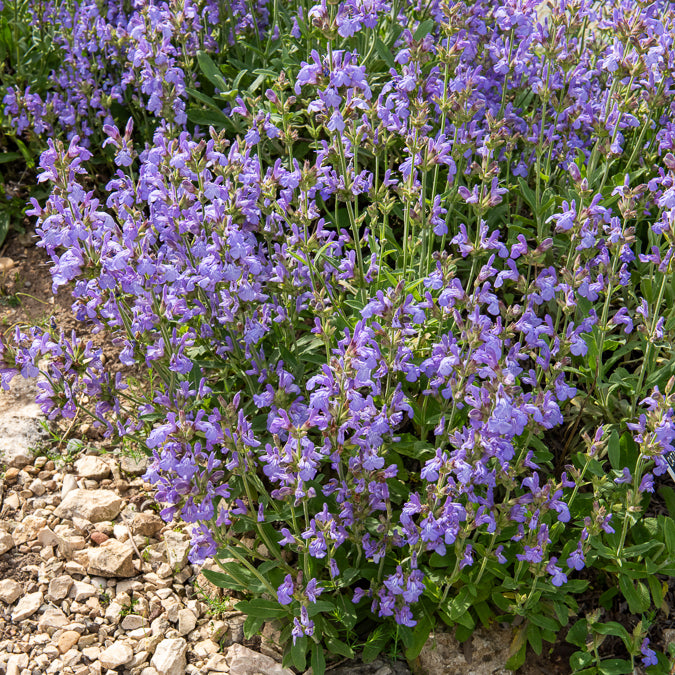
(93, 505)
(27, 606)
(6, 542)
(177, 547)
(244, 661)
(169, 657)
(118, 654)
(93, 468)
(10, 590)
(52, 619)
(59, 587)
(146, 524)
(67, 640)
(28, 529)
(111, 559)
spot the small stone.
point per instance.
(118, 654)
(99, 537)
(244, 661)
(6, 542)
(81, 591)
(169, 657)
(135, 466)
(69, 484)
(111, 559)
(27, 530)
(12, 502)
(59, 587)
(27, 606)
(177, 548)
(67, 640)
(11, 475)
(132, 622)
(205, 648)
(146, 524)
(92, 468)
(52, 619)
(217, 663)
(93, 505)
(187, 621)
(37, 487)
(10, 590)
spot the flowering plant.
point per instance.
(405, 314)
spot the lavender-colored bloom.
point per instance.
(286, 590)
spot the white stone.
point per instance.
(52, 619)
(91, 467)
(118, 654)
(93, 505)
(244, 661)
(111, 559)
(205, 648)
(59, 587)
(187, 621)
(217, 663)
(27, 606)
(69, 484)
(132, 622)
(177, 548)
(81, 590)
(27, 530)
(10, 590)
(169, 657)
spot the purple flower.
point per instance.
(649, 657)
(286, 590)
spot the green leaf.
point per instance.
(656, 590)
(669, 534)
(611, 628)
(299, 653)
(459, 604)
(534, 638)
(211, 71)
(580, 660)
(340, 648)
(518, 650)
(6, 157)
(614, 450)
(424, 29)
(235, 577)
(266, 609)
(577, 634)
(419, 637)
(615, 667)
(385, 53)
(668, 495)
(637, 597)
(545, 622)
(252, 626)
(318, 660)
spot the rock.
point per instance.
(52, 619)
(93, 468)
(28, 529)
(177, 547)
(244, 661)
(205, 648)
(217, 663)
(10, 590)
(146, 524)
(6, 542)
(69, 484)
(93, 505)
(118, 654)
(67, 640)
(169, 657)
(11, 475)
(27, 606)
(132, 622)
(82, 591)
(489, 651)
(111, 559)
(187, 621)
(135, 466)
(20, 432)
(99, 537)
(59, 587)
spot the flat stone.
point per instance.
(132, 622)
(169, 657)
(81, 591)
(28, 529)
(111, 559)
(187, 621)
(69, 484)
(146, 524)
(244, 661)
(217, 663)
(10, 590)
(59, 587)
(93, 505)
(6, 542)
(11, 475)
(205, 648)
(67, 640)
(27, 606)
(177, 548)
(135, 466)
(52, 619)
(99, 537)
(92, 468)
(118, 654)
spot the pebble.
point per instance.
(170, 657)
(118, 654)
(111, 559)
(67, 640)
(59, 587)
(94, 505)
(93, 468)
(10, 590)
(27, 606)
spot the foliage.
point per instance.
(405, 308)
